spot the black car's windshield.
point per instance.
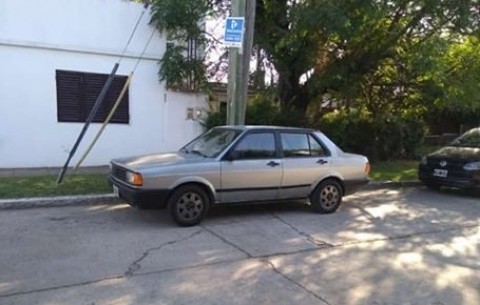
(211, 143)
(469, 139)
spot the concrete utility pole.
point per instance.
(239, 64)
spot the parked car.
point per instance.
(455, 165)
(235, 164)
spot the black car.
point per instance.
(455, 165)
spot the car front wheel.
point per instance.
(327, 197)
(188, 205)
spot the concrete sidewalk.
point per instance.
(389, 246)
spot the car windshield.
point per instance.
(211, 143)
(469, 139)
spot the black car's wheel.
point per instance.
(327, 197)
(188, 205)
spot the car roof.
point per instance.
(262, 127)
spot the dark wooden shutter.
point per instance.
(78, 91)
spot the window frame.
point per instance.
(227, 156)
(75, 92)
(308, 135)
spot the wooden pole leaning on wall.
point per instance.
(106, 121)
(90, 118)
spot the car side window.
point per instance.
(256, 146)
(295, 145)
(316, 149)
(301, 145)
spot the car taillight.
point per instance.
(367, 168)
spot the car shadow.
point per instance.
(466, 193)
(255, 209)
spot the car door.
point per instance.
(305, 161)
(252, 170)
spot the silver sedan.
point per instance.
(236, 164)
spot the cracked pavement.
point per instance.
(410, 246)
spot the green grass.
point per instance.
(40, 186)
(400, 170)
(394, 171)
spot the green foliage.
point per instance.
(341, 44)
(452, 88)
(397, 61)
(261, 111)
(218, 118)
(179, 19)
(380, 138)
(182, 64)
(180, 72)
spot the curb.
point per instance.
(60, 201)
(374, 185)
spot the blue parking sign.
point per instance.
(234, 29)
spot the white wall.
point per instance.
(39, 37)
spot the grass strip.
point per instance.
(394, 171)
(43, 186)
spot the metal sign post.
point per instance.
(234, 30)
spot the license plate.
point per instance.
(115, 191)
(442, 173)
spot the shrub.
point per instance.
(260, 112)
(215, 119)
(380, 138)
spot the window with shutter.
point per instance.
(78, 91)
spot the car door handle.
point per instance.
(321, 161)
(273, 164)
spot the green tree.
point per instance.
(455, 94)
(335, 43)
(358, 52)
(183, 64)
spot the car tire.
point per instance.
(327, 197)
(188, 205)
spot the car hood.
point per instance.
(457, 153)
(156, 160)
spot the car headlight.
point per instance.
(424, 161)
(472, 166)
(134, 178)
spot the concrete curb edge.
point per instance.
(392, 184)
(58, 201)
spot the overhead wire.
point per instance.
(100, 97)
(117, 102)
(133, 33)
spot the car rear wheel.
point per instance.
(188, 205)
(327, 197)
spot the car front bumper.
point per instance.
(139, 197)
(467, 179)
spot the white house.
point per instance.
(53, 56)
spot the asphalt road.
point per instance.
(410, 246)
